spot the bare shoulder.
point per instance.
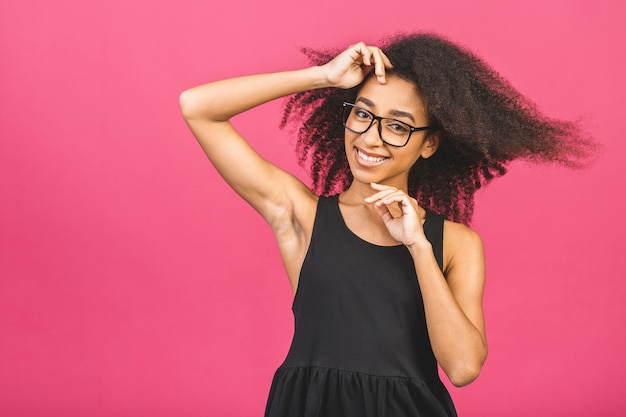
(459, 233)
(462, 247)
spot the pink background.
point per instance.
(133, 282)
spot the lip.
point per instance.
(366, 163)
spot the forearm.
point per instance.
(459, 346)
(220, 100)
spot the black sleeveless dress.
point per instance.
(360, 347)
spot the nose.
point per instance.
(372, 135)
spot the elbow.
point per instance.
(198, 104)
(185, 101)
(465, 372)
(465, 376)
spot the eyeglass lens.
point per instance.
(391, 131)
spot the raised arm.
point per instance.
(208, 108)
(283, 201)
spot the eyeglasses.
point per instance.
(391, 131)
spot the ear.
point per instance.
(430, 145)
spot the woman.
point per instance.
(385, 289)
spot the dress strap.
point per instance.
(433, 229)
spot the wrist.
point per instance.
(320, 78)
(420, 248)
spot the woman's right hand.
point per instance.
(351, 66)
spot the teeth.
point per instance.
(368, 158)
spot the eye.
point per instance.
(396, 127)
(362, 114)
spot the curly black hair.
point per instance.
(483, 122)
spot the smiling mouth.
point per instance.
(368, 158)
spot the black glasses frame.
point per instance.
(412, 129)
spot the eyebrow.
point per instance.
(396, 113)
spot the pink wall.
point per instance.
(133, 282)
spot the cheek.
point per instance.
(409, 155)
(414, 150)
(409, 162)
(348, 140)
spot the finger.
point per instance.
(384, 213)
(378, 196)
(377, 186)
(383, 188)
(379, 62)
(408, 205)
(386, 60)
(354, 51)
(399, 198)
(394, 198)
(365, 53)
(384, 191)
(385, 196)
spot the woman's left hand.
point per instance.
(406, 228)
